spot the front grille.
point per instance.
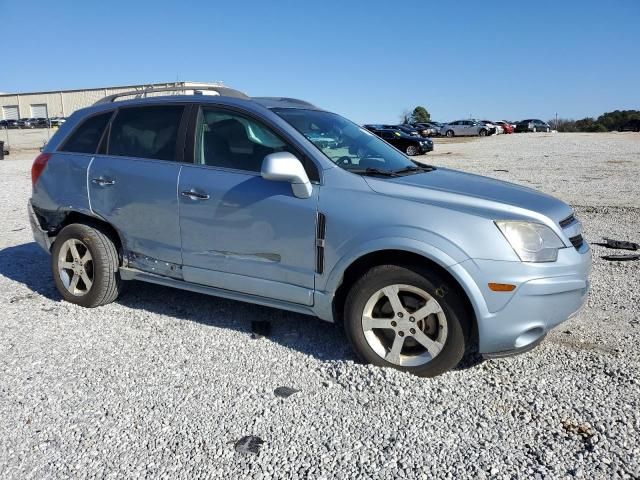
(577, 241)
(567, 221)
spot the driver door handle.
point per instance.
(103, 182)
(193, 195)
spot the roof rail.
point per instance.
(197, 90)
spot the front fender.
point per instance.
(444, 254)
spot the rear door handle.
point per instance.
(193, 195)
(103, 182)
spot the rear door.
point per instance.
(133, 183)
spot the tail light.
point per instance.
(38, 166)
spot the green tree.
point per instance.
(420, 115)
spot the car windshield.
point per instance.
(346, 144)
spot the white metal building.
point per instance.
(62, 103)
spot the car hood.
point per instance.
(485, 196)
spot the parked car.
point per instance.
(11, 124)
(532, 125)
(437, 126)
(40, 122)
(408, 129)
(417, 262)
(506, 126)
(631, 126)
(56, 121)
(409, 144)
(464, 128)
(26, 123)
(492, 127)
(426, 129)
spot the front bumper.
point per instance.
(39, 234)
(546, 295)
(427, 147)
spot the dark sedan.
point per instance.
(532, 125)
(409, 144)
(405, 128)
(26, 123)
(9, 124)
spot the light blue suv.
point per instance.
(234, 196)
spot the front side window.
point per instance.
(226, 139)
(86, 137)
(146, 132)
(345, 143)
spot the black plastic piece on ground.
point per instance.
(260, 328)
(619, 244)
(248, 444)
(285, 392)
(620, 258)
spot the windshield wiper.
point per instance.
(415, 168)
(372, 171)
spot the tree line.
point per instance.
(606, 122)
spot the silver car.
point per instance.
(234, 196)
(462, 128)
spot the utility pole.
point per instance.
(556, 120)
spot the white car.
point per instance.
(492, 125)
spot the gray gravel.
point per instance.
(164, 382)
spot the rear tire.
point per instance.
(85, 262)
(422, 334)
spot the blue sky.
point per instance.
(368, 60)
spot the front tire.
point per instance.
(85, 263)
(412, 150)
(482, 133)
(449, 133)
(406, 318)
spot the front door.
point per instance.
(133, 185)
(239, 231)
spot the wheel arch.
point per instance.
(74, 216)
(405, 257)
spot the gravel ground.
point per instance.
(164, 382)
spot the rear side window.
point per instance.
(86, 137)
(146, 132)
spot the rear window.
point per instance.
(146, 132)
(86, 137)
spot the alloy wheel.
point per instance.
(404, 325)
(75, 267)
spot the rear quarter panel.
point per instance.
(62, 186)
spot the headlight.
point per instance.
(532, 242)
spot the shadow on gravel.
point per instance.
(29, 265)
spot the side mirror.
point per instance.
(285, 167)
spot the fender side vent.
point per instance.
(321, 230)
